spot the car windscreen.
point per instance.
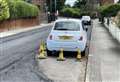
(67, 25)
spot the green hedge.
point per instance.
(4, 10)
(75, 12)
(21, 9)
(70, 12)
(109, 10)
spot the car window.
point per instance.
(68, 25)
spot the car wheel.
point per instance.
(49, 52)
(86, 29)
(83, 53)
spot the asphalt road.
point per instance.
(17, 62)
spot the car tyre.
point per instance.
(86, 29)
(83, 53)
(49, 52)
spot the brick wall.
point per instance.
(18, 23)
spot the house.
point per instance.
(42, 6)
(105, 2)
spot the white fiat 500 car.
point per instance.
(68, 34)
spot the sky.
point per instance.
(116, 1)
(70, 2)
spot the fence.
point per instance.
(113, 29)
(19, 23)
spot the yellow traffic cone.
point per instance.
(61, 55)
(44, 48)
(42, 52)
(79, 55)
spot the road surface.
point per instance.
(17, 57)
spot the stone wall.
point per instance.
(113, 29)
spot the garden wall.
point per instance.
(18, 23)
(113, 29)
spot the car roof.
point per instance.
(68, 19)
(85, 16)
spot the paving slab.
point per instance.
(69, 70)
(104, 57)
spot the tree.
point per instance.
(60, 4)
(109, 10)
(67, 6)
(80, 3)
(51, 5)
(4, 10)
(70, 12)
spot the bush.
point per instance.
(118, 18)
(66, 12)
(109, 10)
(85, 13)
(75, 12)
(22, 9)
(4, 10)
(70, 12)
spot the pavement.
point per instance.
(104, 57)
(69, 70)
